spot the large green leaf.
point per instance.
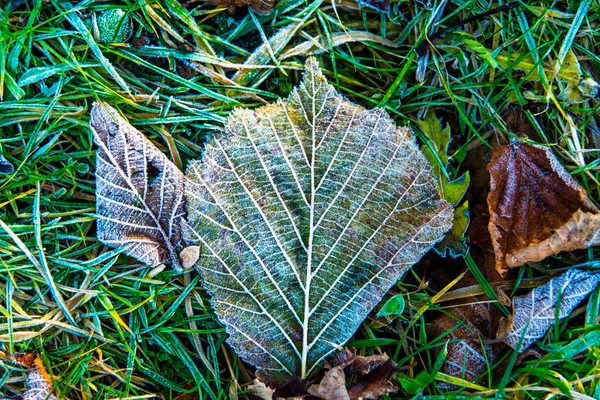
(308, 211)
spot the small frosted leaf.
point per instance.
(308, 211)
(536, 312)
(139, 191)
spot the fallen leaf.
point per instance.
(261, 390)
(308, 211)
(370, 376)
(112, 26)
(139, 192)
(536, 208)
(332, 386)
(260, 6)
(467, 328)
(535, 312)
(38, 380)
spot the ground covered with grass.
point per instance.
(106, 326)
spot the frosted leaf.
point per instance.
(139, 191)
(536, 312)
(39, 383)
(308, 210)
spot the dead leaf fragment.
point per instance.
(189, 256)
(139, 191)
(260, 6)
(536, 208)
(467, 328)
(534, 313)
(38, 380)
(261, 390)
(332, 386)
(371, 375)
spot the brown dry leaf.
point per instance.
(260, 6)
(332, 386)
(38, 380)
(372, 377)
(259, 389)
(139, 191)
(467, 328)
(536, 208)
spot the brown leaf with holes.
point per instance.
(371, 377)
(260, 6)
(466, 328)
(536, 208)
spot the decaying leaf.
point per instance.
(260, 6)
(189, 256)
(536, 208)
(308, 211)
(534, 313)
(467, 328)
(39, 383)
(259, 389)
(370, 376)
(139, 192)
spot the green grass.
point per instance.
(107, 327)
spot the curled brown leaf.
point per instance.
(371, 375)
(536, 208)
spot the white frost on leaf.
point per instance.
(536, 312)
(139, 191)
(308, 210)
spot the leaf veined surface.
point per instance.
(307, 210)
(139, 191)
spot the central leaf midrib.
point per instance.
(307, 290)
